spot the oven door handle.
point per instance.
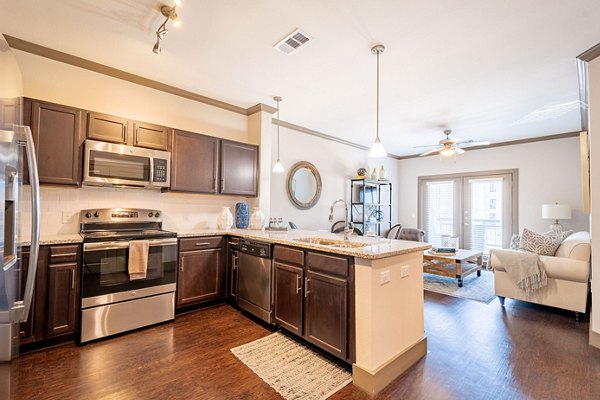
(124, 245)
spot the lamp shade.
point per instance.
(556, 211)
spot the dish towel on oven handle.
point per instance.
(138, 259)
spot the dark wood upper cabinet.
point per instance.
(239, 168)
(194, 162)
(57, 135)
(150, 136)
(107, 128)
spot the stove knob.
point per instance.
(88, 214)
(150, 214)
(157, 214)
(96, 214)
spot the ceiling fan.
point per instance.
(448, 147)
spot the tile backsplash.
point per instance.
(182, 212)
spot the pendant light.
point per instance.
(278, 167)
(377, 150)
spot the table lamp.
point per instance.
(556, 212)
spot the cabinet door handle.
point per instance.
(298, 283)
(181, 265)
(215, 183)
(73, 279)
(222, 185)
(306, 291)
(202, 244)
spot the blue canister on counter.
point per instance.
(242, 215)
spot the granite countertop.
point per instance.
(52, 239)
(376, 247)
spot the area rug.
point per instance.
(474, 288)
(293, 370)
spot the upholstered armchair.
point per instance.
(414, 234)
(568, 274)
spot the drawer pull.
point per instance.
(233, 243)
(64, 255)
(202, 244)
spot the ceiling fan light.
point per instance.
(447, 152)
(377, 150)
(157, 49)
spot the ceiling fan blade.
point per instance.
(426, 145)
(458, 151)
(431, 151)
(470, 143)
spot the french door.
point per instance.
(480, 209)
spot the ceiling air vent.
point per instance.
(292, 42)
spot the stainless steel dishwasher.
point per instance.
(255, 279)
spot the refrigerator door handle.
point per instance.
(21, 308)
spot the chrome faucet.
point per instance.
(348, 227)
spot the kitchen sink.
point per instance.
(332, 242)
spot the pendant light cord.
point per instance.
(378, 94)
(278, 122)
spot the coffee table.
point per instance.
(457, 265)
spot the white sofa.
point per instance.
(568, 274)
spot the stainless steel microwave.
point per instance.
(109, 164)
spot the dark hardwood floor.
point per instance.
(476, 351)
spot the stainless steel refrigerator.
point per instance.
(15, 140)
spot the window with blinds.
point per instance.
(438, 212)
(478, 208)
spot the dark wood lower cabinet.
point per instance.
(201, 272)
(313, 298)
(288, 297)
(53, 314)
(326, 323)
(62, 301)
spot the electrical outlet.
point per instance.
(384, 277)
(404, 271)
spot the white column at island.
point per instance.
(390, 333)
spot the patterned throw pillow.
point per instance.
(515, 242)
(543, 244)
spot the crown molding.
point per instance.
(325, 136)
(70, 59)
(508, 143)
(260, 107)
(590, 54)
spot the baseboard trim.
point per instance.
(594, 339)
(373, 383)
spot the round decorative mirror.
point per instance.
(304, 185)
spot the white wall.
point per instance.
(64, 84)
(549, 172)
(337, 164)
(594, 131)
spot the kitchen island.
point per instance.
(388, 298)
(385, 301)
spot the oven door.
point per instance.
(105, 269)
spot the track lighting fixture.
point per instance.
(170, 13)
